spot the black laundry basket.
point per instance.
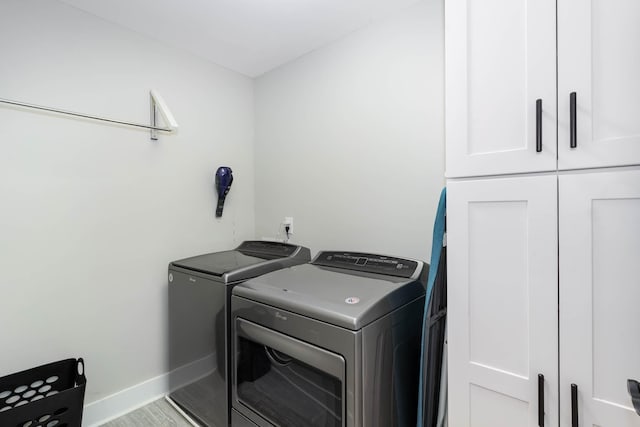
(46, 396)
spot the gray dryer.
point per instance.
(199, 332)
(332, 343)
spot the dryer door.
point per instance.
(280, 380)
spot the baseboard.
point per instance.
(111, 407)
(127, 400)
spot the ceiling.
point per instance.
(248, 36)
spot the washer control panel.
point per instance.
(369, 263)
(267, 249)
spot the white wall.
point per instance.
(90, 214)
(350, 139)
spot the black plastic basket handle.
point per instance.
(80, 376)
(634, 390)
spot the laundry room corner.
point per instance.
(350, 138)
(101, 214)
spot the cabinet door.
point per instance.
(502, 301)
(599, 296)
(599, 59)
(500, 58)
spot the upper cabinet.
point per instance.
(501, 77)
(599, 61)
(500, 59)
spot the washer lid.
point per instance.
(347, 297)
(250, 259)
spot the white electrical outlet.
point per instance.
(288, 221)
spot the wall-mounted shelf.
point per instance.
(157, 106)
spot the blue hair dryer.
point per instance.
(224, 178)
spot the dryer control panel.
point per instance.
(369, 263)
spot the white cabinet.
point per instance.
(599, 60)
(502, 293)
(599, 223)
(543, 265)
(501, 58)
(504, 275)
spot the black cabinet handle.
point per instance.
(573, 127)
(540, 400)
(574, 405)
(634, 390)
(538, 125)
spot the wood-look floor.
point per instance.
(156, 414)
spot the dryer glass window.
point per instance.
(286, 391)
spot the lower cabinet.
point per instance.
(544, 300)
(502, 257)
(599, 297)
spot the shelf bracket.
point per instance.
(157, 105)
